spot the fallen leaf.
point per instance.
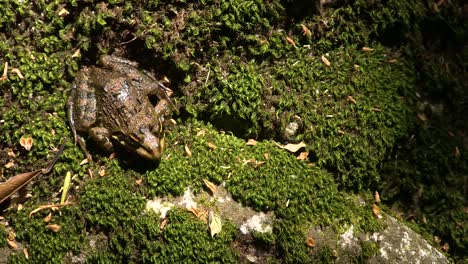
(138, 181)
(214, 223)
(306, 31)
(12, 244)
(5, 72)
(210, 186)
(173, 121)
(188, 152)
(26, 143)
(291, 41)
(325, 60)
(11, 153)
(303, 155)
(351, 99)
(163, 223)
(54, 227)
(17, 72)
(422, 117)
(375, 109)
(11, 236)
(366, 49)
(9, 164)
(20, 207)
(26, 253)
(376, 211)
(266, 156)
(310, 242)
(201, 132)
(445, 247)
(63, 12)
(251, 142)
(102, 172)
(377, 197)
(393, 61)
(83, 162)
(211, 145)
(48, 218)
(77, 53)
(293, 147)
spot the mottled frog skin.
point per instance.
(111, 104)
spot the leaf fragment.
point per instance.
(54, 227)
(63, 12)
(211, 145)
(291, 41)
(17, 72)
(188, 152)
(26, 143)
(251, 142)
(76, 54)
(306, 31)
(292, 147)
(326, 61)
(210, 186)
(367, 49)
(376, 211)
(310, 242)
(377, 197)
(351, 99)
(5, 72)
(12, 244)
(303, 155)
(215, 223)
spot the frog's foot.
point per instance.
(101, 136)
(81, 142)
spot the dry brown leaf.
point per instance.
(111, 156)
(77, 53)
(102, 172)
(215, 223)
(325, 60)
(188, 152)
(393, 61)
(83, 162)
(11, 153)
(54, 227)
(305, 31)
(11, 236)
(351, 99)
(17, 72)
(422, 117)
(201, 132)
(193, 210)
(12, 244)
(26, 143)
(5, 72)
(366, 49)
(138, 181)
(375, 109)
(48, 218)
(293, 147)
(48, 206)
(9, 164)
(251, 142)
(26, 253)
(291, 41)
(211, 145)
(303, 155)
(376, 211)
(377, 197)
(210, 186)
(341, 132)
(445, 247)
(456, 152)
(173, 121)
(310, 242)
(163, 223)
(20, 207)
(63, 12)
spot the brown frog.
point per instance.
(111, 104)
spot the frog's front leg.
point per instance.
(101, 137)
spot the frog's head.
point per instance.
(147, 143)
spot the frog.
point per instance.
(110, 104)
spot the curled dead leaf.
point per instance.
(366, 49)
(11, 236)
(310, 242)
(291, 41)
(351, 99)
(102, 172)
(215, 223)
(293, 147)
(76, 54)
(17, 72)
(12, 244)
(54, 227)
(63, 12)
(325, 60)
(11, 153)
(376, 211)
(26, 253)
(5, 72)
(163, 223)
(303, 155)
(251, 142)
(375, 109)
(305, 31)
(188, 152)
(138, 181)
(201, 132)
(83, 162)
(377, 197)
(26, 143)
(48, 218)
(9, 164)
(210, 186)
(211, 145)
(266, 156)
